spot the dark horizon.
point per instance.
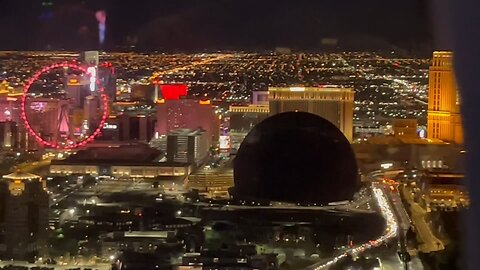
(191, 25)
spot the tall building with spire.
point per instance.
(444, 121)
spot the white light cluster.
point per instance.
(93, 77)
(390, 231)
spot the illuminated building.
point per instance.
(89, 58)
(9, 103)
(158, 93)
(187, 146)
(101, 75)
(187, 113)
(443, 189)
(143, 92)
(77, 89)
(126, 160)
(91, 112)
(9, 135)
(260, 98)
(110, 131)
(243, 119)
(48, 117)
(136, 127)
(415, 153)
(330, 102)
(212, 184)
(23, 216)
(405, 128)
(172, 91)
(444, 121)
(107, 78)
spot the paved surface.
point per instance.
(429, 242)
(392, 262)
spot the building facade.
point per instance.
(136, 127)
(444, 121)
(187, 146)
(330, 102)
(405, 128)
(9, 135)
(243, 119)
(23, 216)
(189, 114)
(211, 184)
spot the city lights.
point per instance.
(55, 144)
(168, 167)
(391, 230)
(92, 72)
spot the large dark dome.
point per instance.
(295, 157)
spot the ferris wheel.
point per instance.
(54, 116)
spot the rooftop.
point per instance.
(186, 132)
(19, 175)
(137, 153)
(324, 88)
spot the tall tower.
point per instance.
(444, 120)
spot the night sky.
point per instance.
(185, 25)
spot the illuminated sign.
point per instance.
(110, 126)
(173, 91)
(297, 89)
(422, 133)
(38, 106)
(93, 77)
(224, 142)
(205, 102)
(386, 165)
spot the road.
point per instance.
(392, 262)
(390, 232)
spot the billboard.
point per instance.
(224, 142)
(173, 91)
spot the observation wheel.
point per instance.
(62, 106)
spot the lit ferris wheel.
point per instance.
(61, 106)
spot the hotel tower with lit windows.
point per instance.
(444, 121)
(333, 103)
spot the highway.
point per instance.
(403, 219)
(391, 230)
(393, 262)
(347, 206)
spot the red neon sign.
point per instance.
(173, 91)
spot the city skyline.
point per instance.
(260, 160)
(246, 135)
